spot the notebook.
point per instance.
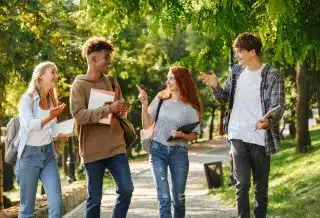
(98, 97)
(185, 129)
(271, 112)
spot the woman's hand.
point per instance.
(56, 111)
(143, 97)
(177, 134)
(180, 135)
(61, 137)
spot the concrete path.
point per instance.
(144, 202)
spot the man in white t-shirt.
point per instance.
(252, 89)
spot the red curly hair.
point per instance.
(186, 87)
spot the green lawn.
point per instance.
(294, 182)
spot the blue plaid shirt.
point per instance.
(272, 95)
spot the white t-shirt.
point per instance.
(42, 136)
(172, 115)
(247, 108)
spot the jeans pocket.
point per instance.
(154, 146)
(28, 153)
(182, 149)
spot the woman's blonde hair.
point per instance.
(34, 85)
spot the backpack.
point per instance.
(12, 139)
(11, 142)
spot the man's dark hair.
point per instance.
(96, 43)
(248, 41)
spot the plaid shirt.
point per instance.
(271, 93)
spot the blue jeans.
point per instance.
(118, 166)
(176, 158)
(38, 162)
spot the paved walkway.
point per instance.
(144, 201)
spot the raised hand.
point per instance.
(209, 79)
(56, 111)
(143, 97)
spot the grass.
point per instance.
(294, 181)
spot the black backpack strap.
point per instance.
(233, 84)
(157, 114)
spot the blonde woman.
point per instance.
(38, 109)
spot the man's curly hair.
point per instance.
(96, 43)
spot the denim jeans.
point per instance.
(38, 162)
(118, 166)
(176, 158)
(249, 157)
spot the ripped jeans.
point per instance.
(176, 158)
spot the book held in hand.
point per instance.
(98, 97)
(272, 112)
(66, 128)
(185, 129)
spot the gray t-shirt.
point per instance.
(172, 115)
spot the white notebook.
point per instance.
(98, 97)
(66, 127)
(272, 112)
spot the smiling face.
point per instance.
(101, 60)
(243, 56)
(171, 82)
(49, 78)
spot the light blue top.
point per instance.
(172, 115)
(30, 116)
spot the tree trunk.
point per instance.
(302, 109)
(283, 127)
(231, 61)
(213, 109)
(64, 159)
(1, 176)
(292, 129)
(1, 153)
(318, 100)
(8, 174)
(292, 125)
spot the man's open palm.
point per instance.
(209, 79)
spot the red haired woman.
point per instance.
(179, 105)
